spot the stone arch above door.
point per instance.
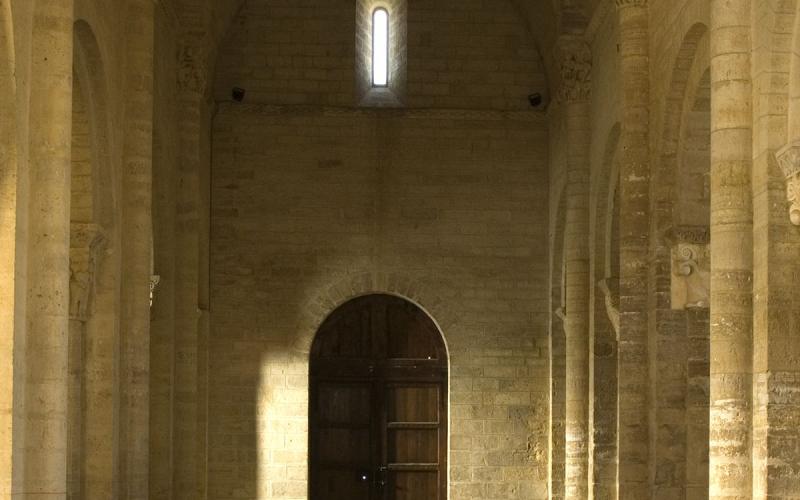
(355, 285)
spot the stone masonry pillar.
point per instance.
(192, 86)
(87, 241)
(46, 377)
(633, 369)
(731, 251)
(575, 61)
(136, 250)
(9, 259)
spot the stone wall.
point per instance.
(311, 207)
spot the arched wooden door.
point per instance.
(378, 404)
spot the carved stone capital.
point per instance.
(192, 70)
(621, 4)
(87, 241)
(789, 160)
(691, 275)
(610, 289)
(697, 235)
(574, 59)
(154, 281)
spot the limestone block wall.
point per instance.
(311, 207)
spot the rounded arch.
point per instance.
(691, 200)
(605, 189)
(353, 306)
(91, 83)
(694, 52)
(411, 289)
(378, 367)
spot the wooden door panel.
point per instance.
(342, 484)
(344, 404)
(413, 404)
(413, 446)
(348, 336)
(378, 418)
(413, 485)
(415, 435)
(345, 447)
(342, 444)
(409, 335)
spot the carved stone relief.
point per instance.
(789, 160)
(610, 289)
(192, 71)
(691, 267)
(154, 281)
(630, 3)
(87, 241)
(574, 59)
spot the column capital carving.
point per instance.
(154, 281)
(621, 4)
(693, 235)
(788, 158)
(691, 275)
(574, 59)
(192, 70)
(87, 241)
(610, 289)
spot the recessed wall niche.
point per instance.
(394, 93)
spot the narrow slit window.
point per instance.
(380, 48)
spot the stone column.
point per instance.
(575, 61)
(46, 377)
(136, 250)
(730, 474)
(9, 260)
(192, 83)
(776, 313)
(86, 242)
(633, 369)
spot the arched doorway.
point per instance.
(378, 404)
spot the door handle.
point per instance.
(383, 475)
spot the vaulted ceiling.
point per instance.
(547, 19)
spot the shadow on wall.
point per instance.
(266, 392)
(283, 390)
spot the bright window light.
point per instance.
(380, 48)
